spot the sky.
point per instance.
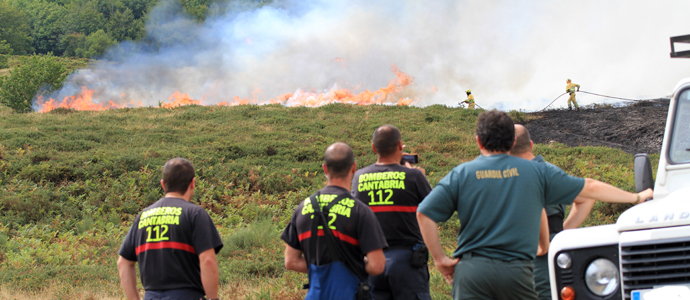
(513, 55)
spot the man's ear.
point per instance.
(373, 148)
(514, 141)
(192, 184)
(354, 168)
(531, 144)
(325, 170)
(400, 145)
(163, 185)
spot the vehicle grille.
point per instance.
(649, 265)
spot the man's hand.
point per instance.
(443, 263)
(409, 165)
(128, 277)
(646, 194)
(446, 266)
(208, 265)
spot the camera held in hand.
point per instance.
(411, 158)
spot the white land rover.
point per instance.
(646, 254)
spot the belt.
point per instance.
(468, 255)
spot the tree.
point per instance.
(4, 49)
(14, 28)
(36, 72)
(97, 43)
(74, 45)
(83, 17)
(122, 25)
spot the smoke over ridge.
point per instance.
(511, 54)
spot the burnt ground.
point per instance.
(633, 128)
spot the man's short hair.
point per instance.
(522, 141)
(339, 160)
(177, 175)
(496, 131)
(386, 139)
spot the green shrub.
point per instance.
(36, 72)
(258, 234)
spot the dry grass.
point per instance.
(65, 292)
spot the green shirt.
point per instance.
(499, 199)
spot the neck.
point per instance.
(526, 155)
(489, 153)
(184, 196)
(388, 160)
(340, 182)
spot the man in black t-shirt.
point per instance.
(353, 225)
(174, 241)
(393, 192)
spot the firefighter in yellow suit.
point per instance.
(469, 100)
(570, 88)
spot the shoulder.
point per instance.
(368, 169)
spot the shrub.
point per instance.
(36, 72)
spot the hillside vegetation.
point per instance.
(72, 182)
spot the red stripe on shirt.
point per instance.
(340, 236)
(165, 245)
(393, 208)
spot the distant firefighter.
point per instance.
(469, 100)
(570, 88)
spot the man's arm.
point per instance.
(128, 277)
(607, 193)
(294, 260)
(375, 262)
(579, 212)
(209, 273)
(443, 263)
(543, 234)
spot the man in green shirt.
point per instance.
(499, 199)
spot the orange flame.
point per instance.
(385, 95)
(180, 100)
(80, 101)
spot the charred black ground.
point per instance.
(633, 128)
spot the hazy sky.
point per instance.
(511, 54)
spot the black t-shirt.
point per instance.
(393, 193)
(352, 223)
(166, 239)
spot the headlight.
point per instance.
(564, 261)
(602, 277)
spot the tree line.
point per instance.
(80, 28)
(49, 29)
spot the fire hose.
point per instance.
(477, 105)
(595, 94)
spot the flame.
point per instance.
(390, 95)
(383, 95)
(180, 100)
(80, 101)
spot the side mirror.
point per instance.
(643, 172)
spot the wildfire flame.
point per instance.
(384, 95)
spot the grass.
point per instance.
(72, 182)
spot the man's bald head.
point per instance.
(522, 141)
(386, 139)
(177, 175)
(339, 160)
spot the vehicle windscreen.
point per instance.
(679, 152)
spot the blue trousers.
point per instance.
(401, 281)
(331, 281)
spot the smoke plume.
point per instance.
(511, 54)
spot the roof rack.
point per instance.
(680, 39)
